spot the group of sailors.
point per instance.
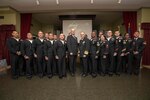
(49, 54)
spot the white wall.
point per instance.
(79, 26)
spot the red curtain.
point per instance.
(5, 32)
(25, 24)
(146, 53)
(130, 21)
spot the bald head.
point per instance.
(72, 31)
(82, 34)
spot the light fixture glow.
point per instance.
(92, 1)
(37, 2)
(57, 2)
(119, 1)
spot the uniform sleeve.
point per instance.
(69, 44)
(34, 46)
(55, 48)
(22, 48)
(10, 46)
(45, 49)
(88, 45)
(142, 46)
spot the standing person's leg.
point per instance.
(81, 64)
(103, 65)
(74, 63)
(111, 67)
(49, 67)
(138, 63)
(35, 66)
(119, 64)
(40, 65)
(71, 61)
(59, 63)
(28, 68)
(85, 66)
(21, 64)
(99, 65)
(14, 66)
(44, 66)
(54, 67)
(129, 62)
(64, 67)
(94, 66)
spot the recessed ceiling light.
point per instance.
(37, 2)
(92, 1)
(119, 1)
(57, 2)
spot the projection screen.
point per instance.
(79, 26)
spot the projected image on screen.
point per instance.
(79, 26)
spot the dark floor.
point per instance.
(125, 87)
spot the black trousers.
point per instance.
(15, 63)
(137, 63)
(54, 68)
(127, 63)
(35, 66)
(72, 63)
(99, 64)
(111, 63)
(41, 65)
(21, 65)
(61, 66)
(84, 64)
(29, 65)
(50, 65)
(104, 63)
(93, 64)
(119, 63)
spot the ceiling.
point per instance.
(48, 11)
(50, 5)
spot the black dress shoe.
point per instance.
(14, 77)
(60, 77)
(110, 75)
(136, 73)
(72, 74)
(22, 74)
(94, 75)
(84, 75)
(103, 74)
(50, 76)
(65, 75)
(29, 77)
(118, 74)
(40, 76)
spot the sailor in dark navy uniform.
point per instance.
(119, 53)
(104, 55)
(49, 55)
(138, 47)
(94, 52)
(128, 54)
(38, 49)
(14, 44)
(72, 45)
(98, 45)
(60, 54)
(84, 48)
(27, 52)
(55, 68)
(111, 41)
